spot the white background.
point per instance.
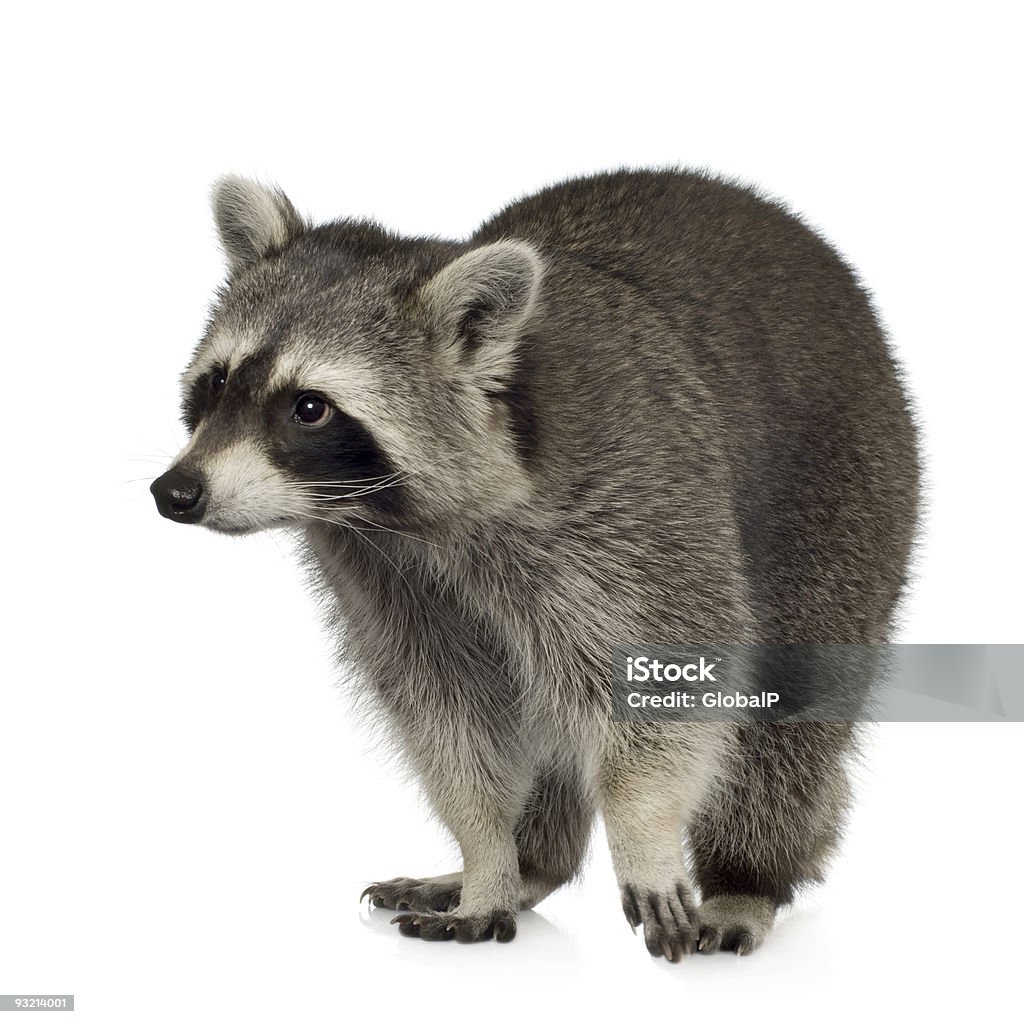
(187, 812)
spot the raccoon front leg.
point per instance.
(652, 779)
(552, 835)
(479, 791)
(440, 892)
(487, 898)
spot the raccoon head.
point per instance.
(350, 375)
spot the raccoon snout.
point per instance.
(180, 496)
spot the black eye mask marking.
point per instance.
(234, 396)
(197, 402)
(340, 450)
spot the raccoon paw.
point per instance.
(439, 893)
(669, 919)
(434, 926)
(736, 923)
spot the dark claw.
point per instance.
(505, 928)
(408, 925)
(668, 918)
(413, 894)
(631, 908)
(433, 927)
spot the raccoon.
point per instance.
(636, 405)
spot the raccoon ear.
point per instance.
(480, 302)
(252, 219)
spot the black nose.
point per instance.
(180, 496)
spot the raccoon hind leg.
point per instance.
(771, 831)
(553, 834)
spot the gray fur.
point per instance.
(253, 221)
(644, 405)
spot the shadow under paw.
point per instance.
(434, 926)
(422, 894)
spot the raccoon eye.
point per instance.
(312, 411)
(218, 378)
